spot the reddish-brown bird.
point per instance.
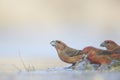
(97, 56)
(112, 46)
(66, 53)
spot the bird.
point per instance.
(112, 46)
(66, 53)
(97, 56)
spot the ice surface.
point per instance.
(60, 74)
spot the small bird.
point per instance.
(97, 56)
(66, 53)
(112, 46)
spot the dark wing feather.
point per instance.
(104, 52)
(72, 52)
(117, 50)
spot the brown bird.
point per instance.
(66, 53)
(112, 46)
(97, 56)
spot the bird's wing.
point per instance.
(117, 50)
(104, 52)
(72, 52)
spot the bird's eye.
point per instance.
(58, 41)
(107, 42)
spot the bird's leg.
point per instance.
(74, 66)
(84, 58)
(70, 66)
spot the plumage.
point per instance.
(97, 56)
(112, 46)
(66, 53)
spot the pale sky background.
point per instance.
(28, 26)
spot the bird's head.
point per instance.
(58, 44)
(108, 43)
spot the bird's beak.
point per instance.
(102, 44)
(53, 43)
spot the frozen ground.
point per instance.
(60, 74)
(82, 72)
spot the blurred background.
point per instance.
(28, 26)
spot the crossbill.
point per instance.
(112, 46)
(66, 53)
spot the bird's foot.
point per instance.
(69, 67)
